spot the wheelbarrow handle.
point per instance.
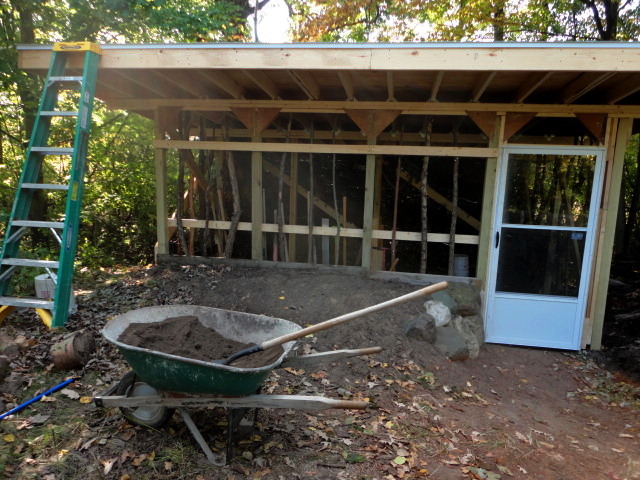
(336, 321)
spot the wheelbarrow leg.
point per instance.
(217, 460)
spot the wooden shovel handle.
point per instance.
(350, 316)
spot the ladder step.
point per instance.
(53, 150)
(29, 302)
(58, 114)
(64, 79)
(45, 186)
(37, 224)
(28, 262)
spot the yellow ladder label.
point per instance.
(77, 47)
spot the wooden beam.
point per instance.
(184, 81)
(488, 196)
(160, 166)
(367, 216)
(391, 97)
(256, 119)
(372, 122)
(623, 90)
(306, 82)
(606, 235)
(530, 85)
(150, 82)
(581, 85)
(117, 82)
(326, 208)
(436, 86)
(481, 85)
(442, 200)
(486, 121)
(262, 80)
(327, 231)
(514, 122)
(347, 84)
(256, 203)
(223, 81)
(406, 108)
(369, 149)
(596, 123)
(569, 57)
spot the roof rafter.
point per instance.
(582, 84)
(262, 80)
(223, 81)
(306, 82)
(530, 85)
(347, 84)
(436, 86)
(481, 85)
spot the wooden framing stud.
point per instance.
(256, 119)
(514, 122)
(623, 90)
(307, 83)
(223, 81)
(437, 81)
(583, 84)
(483, 83)
(347, 84)
(596, 123)
(530, 85)
(372, 122)
(264, 82)
(486, 121)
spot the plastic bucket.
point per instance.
(461, 265)
(46, 288)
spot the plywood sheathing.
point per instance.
(596, 123)
(256, 119)
(372, 122)
(486, 121)
(514, 122)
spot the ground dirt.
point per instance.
(511, 413)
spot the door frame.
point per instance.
(592, 223)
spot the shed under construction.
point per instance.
(408, 157)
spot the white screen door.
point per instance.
(546, 212)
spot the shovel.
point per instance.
(332, 322)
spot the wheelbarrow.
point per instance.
(160, 382)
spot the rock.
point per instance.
(451, 343)
(6, 342)
(12, 384)
(465, 332)
(439, 311)
(4, 366)
(421, 327)
(476, 325)
(462, 298)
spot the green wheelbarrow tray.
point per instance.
(174, 373)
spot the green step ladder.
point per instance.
(62, 77)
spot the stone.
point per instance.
(5, 367)
(439, 311)
(421, 327)
(462, 298)
(476, 325)
(451, 343)
(473, 345)
(12, 384)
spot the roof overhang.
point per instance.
(438, 78)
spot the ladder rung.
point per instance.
(28, 262)
(65, 79)
(53, 150)
(37, 223)
(29, 302)
(45, 186)
(58, 114)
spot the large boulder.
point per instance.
(421, 327)
(439, 311)
(462, 298)
(451, 343)
(463, 328)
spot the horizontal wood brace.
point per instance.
(327, 231)
(412, 108)
(407, 150)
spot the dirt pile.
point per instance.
(187, 337)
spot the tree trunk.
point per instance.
(235, 216)
(424, 186)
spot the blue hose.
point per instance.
(35, 399)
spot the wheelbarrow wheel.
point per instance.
(152, 416)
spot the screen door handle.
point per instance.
(497, 239)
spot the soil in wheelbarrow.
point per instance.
(187, 337)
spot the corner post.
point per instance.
(367, 219)
(160, 164)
